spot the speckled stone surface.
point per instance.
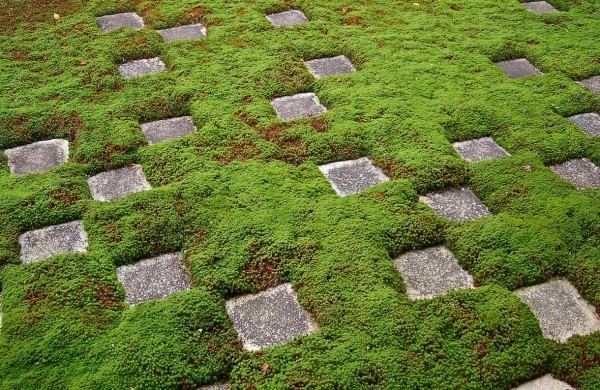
(546, 382)
(353, 176)
(302, 105)
(113, 185)
(456, 204)
(40, 244)
(109, 23)
(167, 129)
(518, 68)
(560, 310)
(593, 84)
(539, 7)
(480, 149)
(431, 272)
(188, 32)
(589, 123)
(287, 18)
(37, 157)
(269, 318)
(139, 68)
(581, 173)
(330, 66)
(219, 386)
(153, 279)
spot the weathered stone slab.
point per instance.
(188, 32)
(269, 318)
(480, 149)
(330, 66)
(581, 173)
(40, 244)
(593, 84)
(37, 157)
(589, 123)
(220, 386)
(109, 23)
(539, 7)
(153, 279)
(353, 176)
(431, 272)
(546, 382)
(456, 204)
(167, 129)
(113, 185)
(302, 105)
(287, 18)
(518, 68)
(139, 68)
(560, 310)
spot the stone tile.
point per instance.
(593, 84)
(560, 310)
(139, 68)
(480, 149)
(269, 318)
(37, 157)
(546, 382)
(219, 386)
(287, 18)
(330, 66)
(40, 244)
(113, 185)
(153, 279)
(581, 173)
(589, 123)
(518, 68)
(456, 204)
(431, 272)
(167, 129)
(539, 7)
(353, 176)
(302, 105)
(189, 32)
(109, 23)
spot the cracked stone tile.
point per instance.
(480, 149)
(518, 68)
(139, 68)
(109, 23)
(43, 243)
(546, 382)
(188, 32)
(287, 18)
(456, 204)
(581, 173)
(353, 176)
(589, 123)
(113, 185)
(37, 157)
(166, 129)
(539, 7)
(333, 66)
(302, 105)
(593, 84)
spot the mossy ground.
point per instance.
(245, 202)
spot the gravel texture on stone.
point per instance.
(518, 68)
(560, 310)
(456, 204)
(593, 84)
(113, 185)
(188, 32)
(581, 173)
(353, 176)
(589, 123)
(330, 66)
(167, 129)
(109, 23)
(40, 244)
(287, 19)
(219, 386)
(480, 149)
(539, 7)
(546, 382)
(302, 105)
(269, 318)
(37, 157)
(139, 68)
(153, 279)
(431, 272)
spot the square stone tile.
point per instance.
(589, 123)
(330, 66)
(187, 33)
(139, 68)
(269, 318)
(431, 272)
(560, 310)
(480, 149)
(539, 7)
(109, 23)
(167, 129)
(581, 173)
(113, 185)
(546, 382)
(287, 18)
(593, 84)
(353, 176)
(40, 244)
(298, 106)
(219, 386)
(37, 157)
(518, 68)
(153, 279)
(456, 204)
